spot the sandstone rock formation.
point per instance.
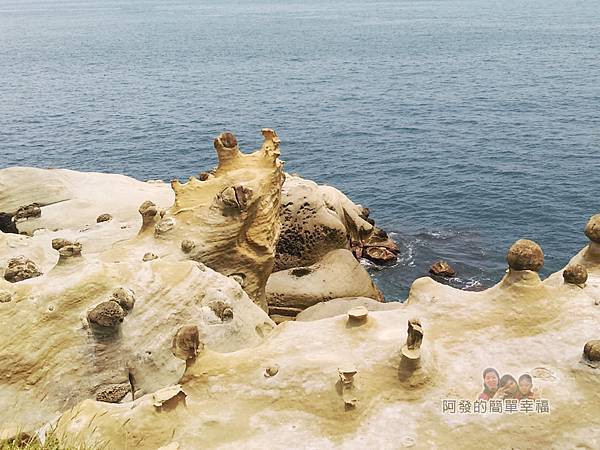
(169, 353)
(318, 219)
(92, 333)
(233, 217)
(340, 306)
(521, 325)
(337, 274)
(74, 200)
(575, 274)
(109, 319)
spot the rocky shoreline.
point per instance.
(143, 313)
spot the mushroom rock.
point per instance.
(340, 306)
(592, 230)
(411, 351)
(575, 274)
(525, 255)
(442, 269)
(69, 251)
(58, 243)
(28, 212)
(19, 269)
(234, 214)
(103, 218)
(462, 332)
(336, 275)
(96, 336)
(346, 382)
(525, 258)
(520, 311)
(125, 298)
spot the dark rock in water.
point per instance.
(442, 269)
(203, 176)
(379, 255)
(7, 225)
(103, 218)
(113, 393)
(106, 314)
(28, 212)
(525, 255)
(575, 274)
(19, 269)
(591, 350)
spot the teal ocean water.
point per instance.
(463, 125)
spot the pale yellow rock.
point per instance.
(109, 316)
(339, 306)
(164, 394)
(358, 314)
(63, 360)
(337, 274)
(521, 325)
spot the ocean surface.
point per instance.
(462, 125)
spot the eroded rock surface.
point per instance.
(107, 319)
(341, 386)
(336, 275)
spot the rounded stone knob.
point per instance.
(592, 229)
(525, 255)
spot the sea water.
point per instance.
(462, 125)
